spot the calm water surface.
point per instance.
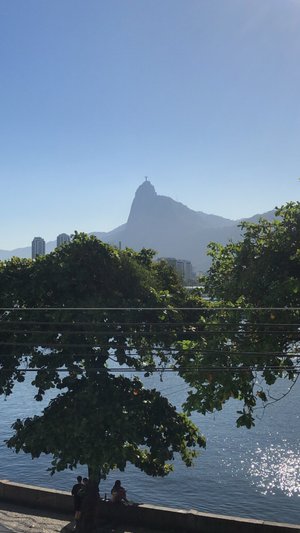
(250, 473)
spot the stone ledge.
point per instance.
(155, 517)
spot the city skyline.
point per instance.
(202, 97)
(183, 267)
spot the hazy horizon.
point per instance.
(99, 230)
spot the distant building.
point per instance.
(172, 262)
(62, 238)
(38, 247)
(183, 267)
(186, 270)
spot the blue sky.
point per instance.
(200, 95)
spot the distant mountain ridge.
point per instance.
(173, 229)
(167, 226)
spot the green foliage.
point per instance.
(264, 267)
(109, 421)
(240, 351)
(224, 348)
(97, 419)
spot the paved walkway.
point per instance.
(4, 529)
(16, 519)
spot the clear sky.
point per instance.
(203, 96)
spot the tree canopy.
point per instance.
(57, 324)
(263, 268)
(83, 316)
(251, 336)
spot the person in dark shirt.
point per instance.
(89, 495)
(76, 497)
(118, 493)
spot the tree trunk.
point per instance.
(94, 474)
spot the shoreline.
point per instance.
(138, 516)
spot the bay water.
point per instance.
(248, 473)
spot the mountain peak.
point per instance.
(145, 190)
(143, 202)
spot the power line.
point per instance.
(171, 309)
(121, 370)
(118, 333)
(148, 323)
(166, 351)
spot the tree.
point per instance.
(250, 337)
(222, 346)
(57, 323)
(263, 268)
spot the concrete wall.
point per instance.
(143, 515)
(36, 497)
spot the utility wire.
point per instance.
(121, 370)
(171, 309)
(118, 333)
(146, 323)
(166, 351)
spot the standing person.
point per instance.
(89, 506)
(76, 497)
(75, 490)
(118, 493)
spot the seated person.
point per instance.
(118, 493)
